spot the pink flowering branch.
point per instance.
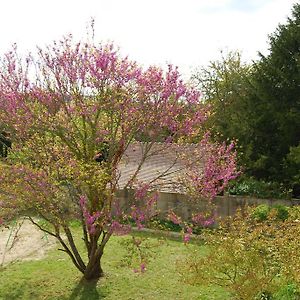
(71, 122)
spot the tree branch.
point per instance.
(73, 247)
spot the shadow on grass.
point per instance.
(86, 290)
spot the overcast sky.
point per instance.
(186, 33)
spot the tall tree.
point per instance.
(260, 105)
(224, 85)
(71, 125)
(275, 101)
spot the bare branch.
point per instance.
(41, 228)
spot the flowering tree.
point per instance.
(71, 121)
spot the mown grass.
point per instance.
(56, 278)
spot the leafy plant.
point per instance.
(164, 224)
(249, 257)
(248, 186)
(289, 291)
(262, 212)
(139, 251)
(282, 211)
(168, 225)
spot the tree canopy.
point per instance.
(259, 105)
(71, 113)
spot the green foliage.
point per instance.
(252, 259)
(274, 103)
(223, 84)
(249, 186)
(168, 225)
(139, 251)
(274, 99)
(163, 224)
(292, 167)
(262, 212)
(289, 291)
(282, 212)
(258, 105)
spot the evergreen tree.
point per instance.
(275, 103)
(259, 105)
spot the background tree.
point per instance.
(259, 104)
(275, 102)
(224, 84)
(71, 124)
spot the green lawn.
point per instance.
(55, 277)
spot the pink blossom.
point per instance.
(187, 235)
(81, 95)
(138, 215)
(205, 221)
(120, 229)
(141, 191)
(174, 218)
(143, 267)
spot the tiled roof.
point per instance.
(162, 167)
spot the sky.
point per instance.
(186, 33)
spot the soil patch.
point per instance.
(23, 241)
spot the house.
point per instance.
(163, 167)
(160, 165)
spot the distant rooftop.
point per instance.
(161, 165)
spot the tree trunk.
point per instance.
(93, 269)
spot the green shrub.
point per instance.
(248, 186)
(250, 257)
(262, 212)
(163, 224)
(282, 212)
(168, 225)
